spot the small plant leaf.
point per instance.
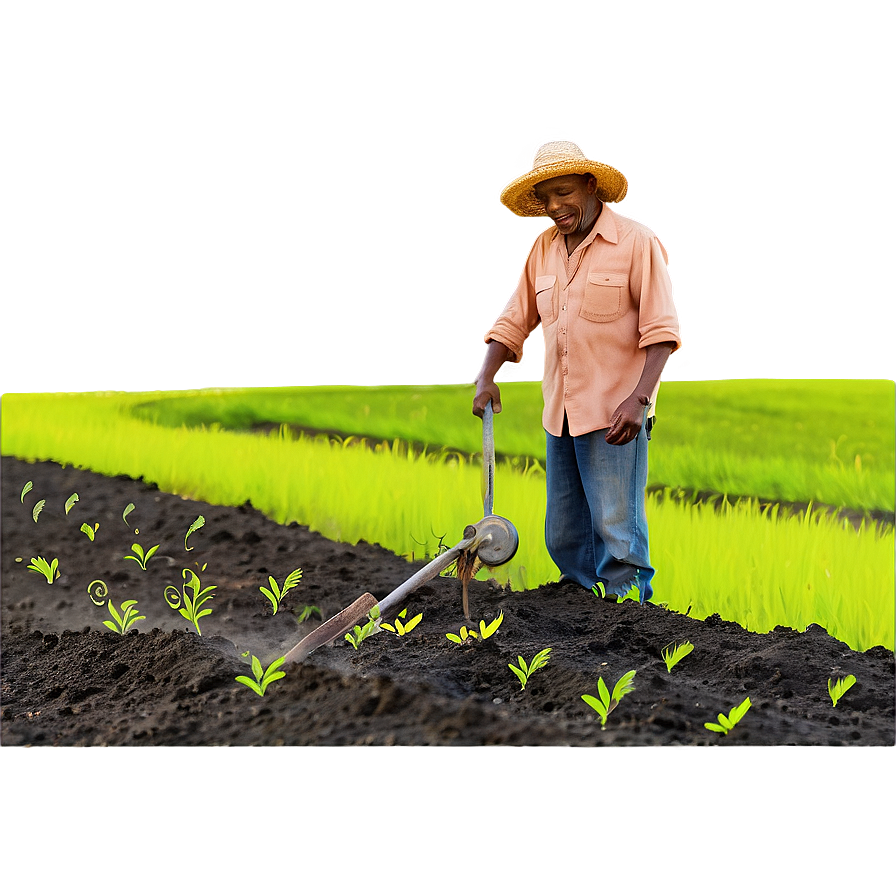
(37, 509)
(72, 499)
(243, 679)
(291, 581)
(738, 712)
(26, 488)
(198, 523)
(604, 692)
(488, 630)
(88, 530)
(307, 612)
(713, 727)
(126, 511)
(624, 686)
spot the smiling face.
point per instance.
(570, 202)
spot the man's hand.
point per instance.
(486, 390)
(626, 421)
(495, 355)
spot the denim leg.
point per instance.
(596, 524)
(567, 525)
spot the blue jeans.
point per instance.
(595, 525)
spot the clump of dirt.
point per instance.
(68, 680)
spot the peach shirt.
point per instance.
(599, 309)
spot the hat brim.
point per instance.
(519, 196)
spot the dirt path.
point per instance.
(68, 680)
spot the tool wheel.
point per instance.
(501, 540)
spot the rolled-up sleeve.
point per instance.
(520, 315)
(652, 289)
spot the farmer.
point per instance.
(598, 285)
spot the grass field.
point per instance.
(759, 568)
(828, 441)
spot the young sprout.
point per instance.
(838, 689)
(673, 657)
(71, 501)
(262, 677)
(125, 513)
(139, 557)
(275, 594)
(49, 570)
(192, 595)
(727, 723)
(88, 530)
(361, 633)
(486, 631)
(37, 509)
(125, 620)
(465, 636)
(25, 489)
(401, 628)
(524, 672)
(198, 523)
(307, 612)
(607, 702)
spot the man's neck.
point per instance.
(574, 240)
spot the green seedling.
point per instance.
(139, 557)
(607, 702)
(673, 656)
(523, 672)
(49, 570)
(125, 620)
(262, 677)
(599, 590)
(125, 513)
(464, 637)
(89, 531)
(838, 689)
(486, 631)
(25, 489)
(400, 627)
(275, 594)
(71, 501)
(192, 595)
(727, 723)
(307, 612)
(198, 523)
(361, 633)
(37, 509)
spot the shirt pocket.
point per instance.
(605, 293)
(544, 298)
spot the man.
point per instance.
(598, 285)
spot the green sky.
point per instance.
(204, 193)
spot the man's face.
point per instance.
(570, 201)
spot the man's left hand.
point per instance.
(626, 421)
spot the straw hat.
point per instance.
(554, 160)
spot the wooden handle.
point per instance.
(334, 627)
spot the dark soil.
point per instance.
(68, 680)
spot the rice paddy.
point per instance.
(762, 566)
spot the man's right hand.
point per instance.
(486, 390)
(495, 355)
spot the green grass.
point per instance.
(761, 569)
(827, 441)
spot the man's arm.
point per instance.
(486, 388)
(626, 421)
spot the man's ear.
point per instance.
(591, 183)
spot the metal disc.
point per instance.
(501, 540)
